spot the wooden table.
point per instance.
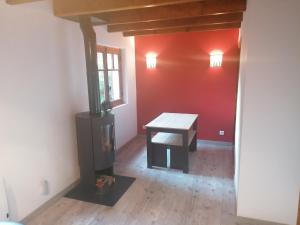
(183, 125)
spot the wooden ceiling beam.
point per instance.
(194, 9)
(66, 8)
(95, 21)
(194, 21)
(213, 27)
(15, 2)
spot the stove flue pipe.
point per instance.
(90, 45)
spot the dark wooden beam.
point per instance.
(67, 8)
(95, 21)
(184, 29)
(184, 22)
(15, 2)
(195, 9)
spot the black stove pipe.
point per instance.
(90, 45)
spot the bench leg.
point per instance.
(185, 161)
(179, 159)
(159, 155)
(193, 145)
(149, 149)
(176, 161)
(185, 150)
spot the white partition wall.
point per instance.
(269, 122)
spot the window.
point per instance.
(110, 75)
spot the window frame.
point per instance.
(114, 51)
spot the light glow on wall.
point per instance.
(216, 58)
(151, 60)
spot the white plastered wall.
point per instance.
(42, 86)
(267, 174)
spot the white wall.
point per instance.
(269, 178)
(126, 115)
(42, 85)
(239, 113)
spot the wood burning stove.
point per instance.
(95, 129)
(96, 138)
(96, 145)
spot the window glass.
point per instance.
(114, 85)
(116, 62)
(110, 76)
(109, 61)
(101, 85)
(100, 61)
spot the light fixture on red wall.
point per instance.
(216, 58)
(151, 60)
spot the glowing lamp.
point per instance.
(216, 57)
(151, 60)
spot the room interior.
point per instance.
(79, 76)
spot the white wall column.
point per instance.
(268, 127)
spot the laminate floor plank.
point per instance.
(160, 196)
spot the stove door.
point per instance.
(103, 141)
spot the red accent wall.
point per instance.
(183, 81)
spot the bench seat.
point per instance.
(178, 158)
(172, 139)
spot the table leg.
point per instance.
(149, 149)
(194, 142)
(185, 146)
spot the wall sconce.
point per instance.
(216, 57)
(151, 60)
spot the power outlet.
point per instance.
(221, 132)
(45, 187)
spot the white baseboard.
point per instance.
(215, 142)
(244, 220)
(48, 203)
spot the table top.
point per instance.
(176, 121)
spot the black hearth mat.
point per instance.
(108, 196)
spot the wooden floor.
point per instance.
(205, 196)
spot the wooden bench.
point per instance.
(161, 141)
